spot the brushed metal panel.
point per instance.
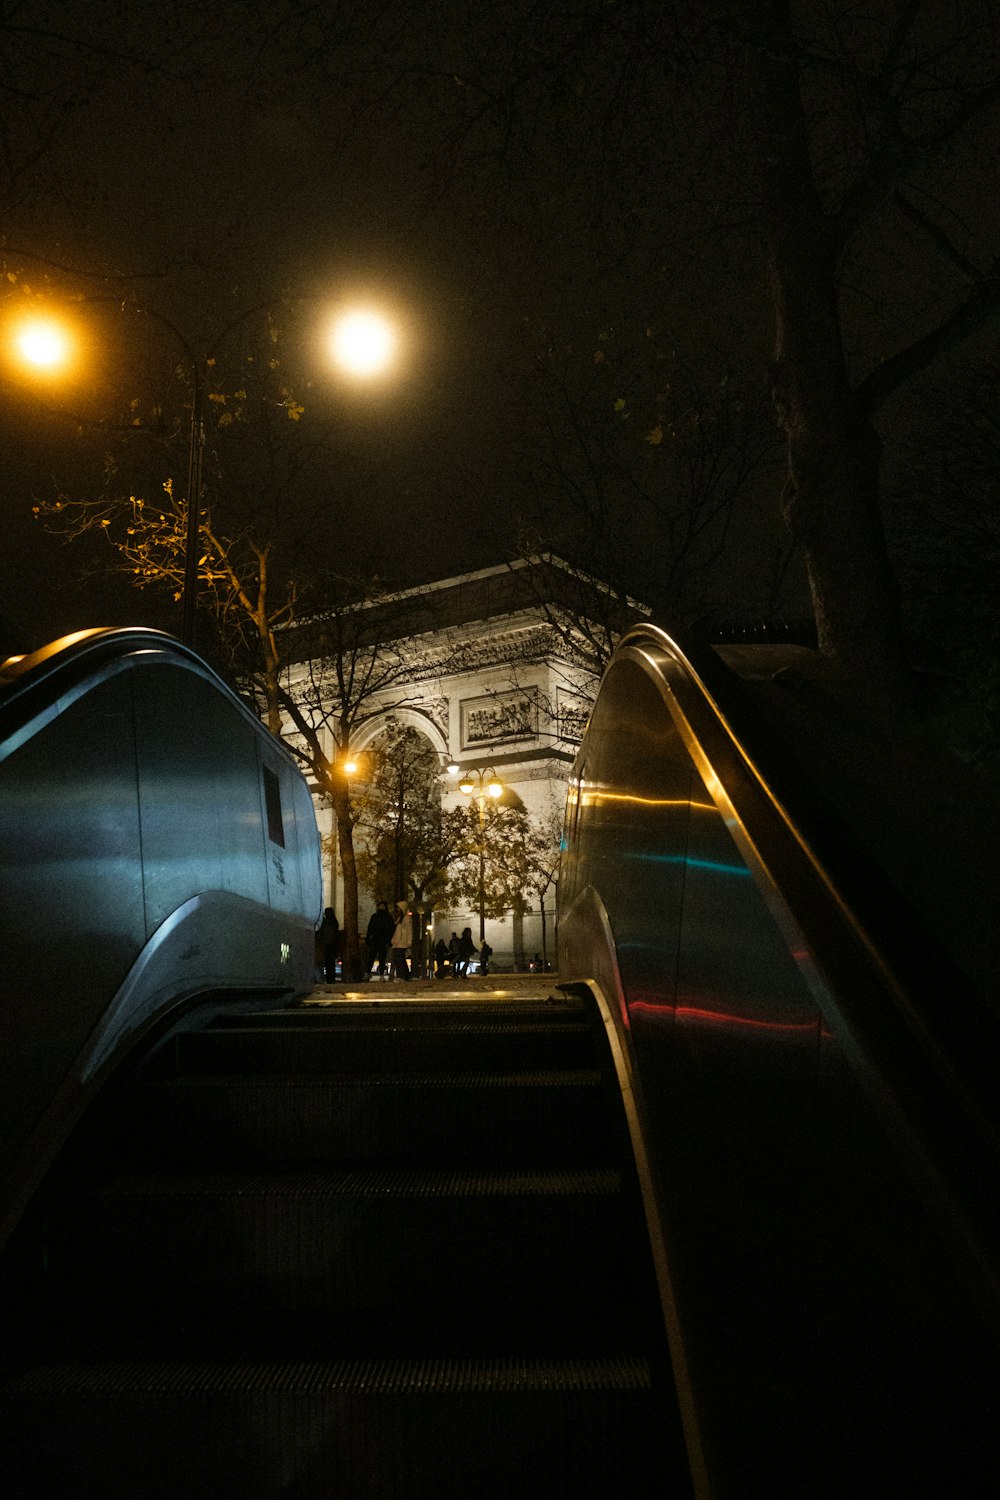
(310, 870)
(631, 824)
(199, 800)
(71, 913)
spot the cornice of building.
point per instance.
(531, 644)
(505, 760)
(452, 653)
(534, 585)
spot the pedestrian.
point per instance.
(453, 951)
(485, 954)
(402, 940)
(440, 958)
(466, 948)
(329, 942)
(378, 937)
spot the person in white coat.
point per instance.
(402, 939)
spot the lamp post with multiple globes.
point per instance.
(483, 785)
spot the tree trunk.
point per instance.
(269, 657)
(517, 923)
(545, 949)
(420, 968)
(268, 650)
(831, 496)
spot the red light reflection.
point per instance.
(723, 1018)
(718, 1017)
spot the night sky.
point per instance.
(221, 178)
(560, 232)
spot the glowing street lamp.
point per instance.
(482, 785)
(40, 344)
(486, 784)
(347, 766)
(363, 343)
(43, 344)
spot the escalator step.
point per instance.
(346, 1252)
(415, 1015)
(419, 1432)
(368, 1376)
(371, 1182)
(359, 1048)
(391, 1243)
(212, 1120)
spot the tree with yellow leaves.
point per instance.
(253, 522)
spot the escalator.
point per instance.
(721, 1215)
(377, 1250)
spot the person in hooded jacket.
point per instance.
(329, 944)
(466, 948)
(378, 938)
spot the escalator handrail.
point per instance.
(35, 687)
(884, 973)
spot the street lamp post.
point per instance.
(363, 344)
(196, 454)
(344, 767)
(481, 785)
(198, 365)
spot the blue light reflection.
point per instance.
(716, 866)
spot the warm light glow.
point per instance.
(42, 343)
(485, 784)
(364, 343)
(601, 798)
(350, 766)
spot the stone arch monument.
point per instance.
(499, 670)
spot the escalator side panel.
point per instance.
(156, 843)
(826, 1320)
(71, 916)
(202, 827)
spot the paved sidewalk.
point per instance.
(493, 987)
